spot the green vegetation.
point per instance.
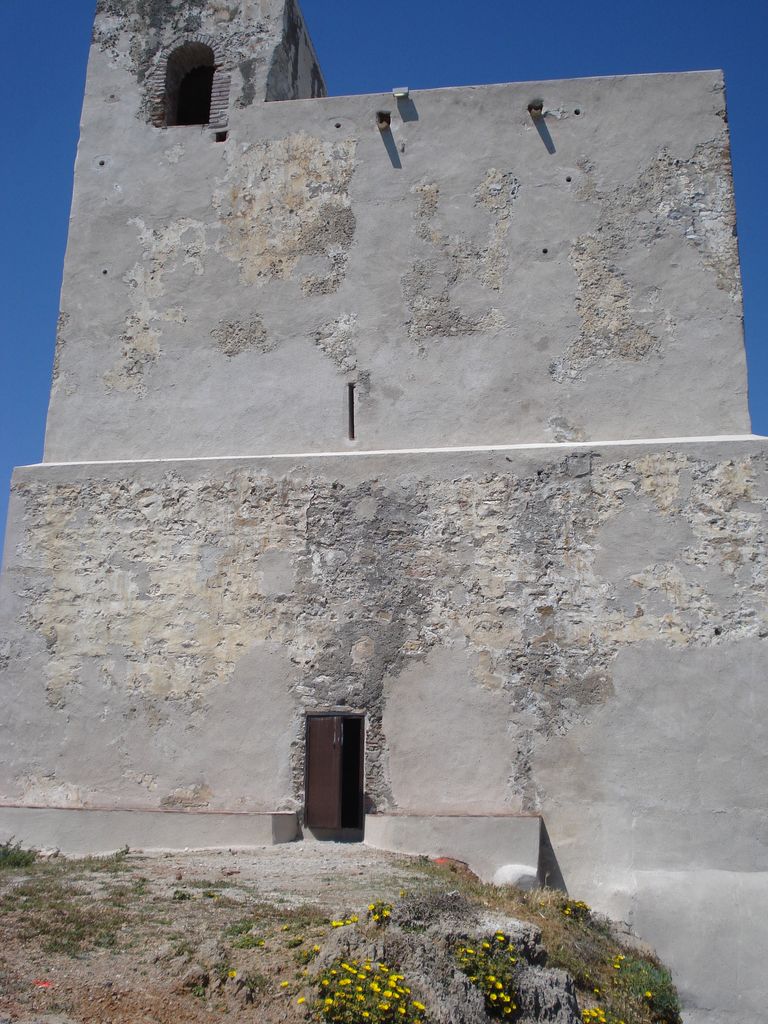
(492, 966)
(13, 856)
(351, 991)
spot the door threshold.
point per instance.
(334, 835)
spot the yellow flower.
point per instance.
(231, 974)
(301, 1000)
(649, 995)
(283, 984)
(418, 1005)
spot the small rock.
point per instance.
(522, 876)
(547, 995)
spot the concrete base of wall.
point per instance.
(79, 832)
(485, 842)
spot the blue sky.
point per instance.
(364, 46)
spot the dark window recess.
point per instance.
(334, 772)
(351, 411)
(194, 104)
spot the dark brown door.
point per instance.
(323, 778)
(334, 772)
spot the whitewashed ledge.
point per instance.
(78, 832)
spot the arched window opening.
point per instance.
(194, 105)
(189, 85)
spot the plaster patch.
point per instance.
(233, 337)
(429, 283)
(338, 340)
(285, 199)
(426, 704)
(610, 329)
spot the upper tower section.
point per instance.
(185, 61)
(541, 261)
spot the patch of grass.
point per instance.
(239, 927)
(646, 981)
(182, 946)
(112, 863)
(59, 917)
(202, 883)
(251, 984)
(249, 942)
(13, 856)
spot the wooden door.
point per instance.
(323, 771)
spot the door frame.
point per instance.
(349, 834)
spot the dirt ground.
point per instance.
(188, 937)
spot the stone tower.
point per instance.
(398, 482)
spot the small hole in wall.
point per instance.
(569, 178)
(338, 124)
(221, 136)
(105, 272)
(545, 251)
(577, 111)
(718, 630)
(102, 163)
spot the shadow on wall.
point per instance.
(543, 131)
(549, 870)
(391, 147)
(406, 108)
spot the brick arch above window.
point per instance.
(179, 59)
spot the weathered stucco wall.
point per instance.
(578, 632)
(517, 599)
(480, 276)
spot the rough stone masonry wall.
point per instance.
(264, 46)
(181, 618)
(481, 278)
